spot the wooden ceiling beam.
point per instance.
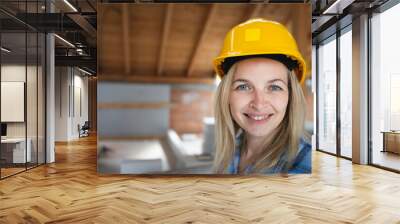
(85, 25)
(154, 79)
(126, 38)
(254, 11)
(212, 13)
(303, 40)
(288, 19)
(165, 34)
(100, 46)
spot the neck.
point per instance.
(254, 145)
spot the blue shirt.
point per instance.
(301, 164)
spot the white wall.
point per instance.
(61, 103)
(134, 121)
(33, 126)
(79, 117)
(67, 115)
(15, 73)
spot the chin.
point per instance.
(257, 133)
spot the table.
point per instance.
(16, 147)
(391, 141)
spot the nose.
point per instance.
(259, 100)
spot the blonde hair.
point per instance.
(286, 137)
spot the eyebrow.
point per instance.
(240, 80)
(275, 80)
(270, 81)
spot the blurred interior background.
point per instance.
(156, 81)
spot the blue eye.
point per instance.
(276, 88)
(243, 87)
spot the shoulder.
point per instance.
(302, 162)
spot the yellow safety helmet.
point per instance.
(260, 37)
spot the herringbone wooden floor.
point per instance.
(70, 191)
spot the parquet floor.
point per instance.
(9, 171)
(70, 191)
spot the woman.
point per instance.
(260, 107)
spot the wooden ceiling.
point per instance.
(177, 42)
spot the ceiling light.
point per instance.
(84, 71)
(337, 7)
(65, 41)
(70, 5)
(5, 50)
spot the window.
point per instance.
(326, 107)
(346, 93)
(385, 89)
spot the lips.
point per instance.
(258, 117)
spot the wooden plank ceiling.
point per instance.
(177, 42)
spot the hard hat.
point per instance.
(260, 37)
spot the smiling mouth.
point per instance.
(258, 117)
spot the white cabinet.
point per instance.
(18, 145)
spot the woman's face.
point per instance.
(259, 95)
